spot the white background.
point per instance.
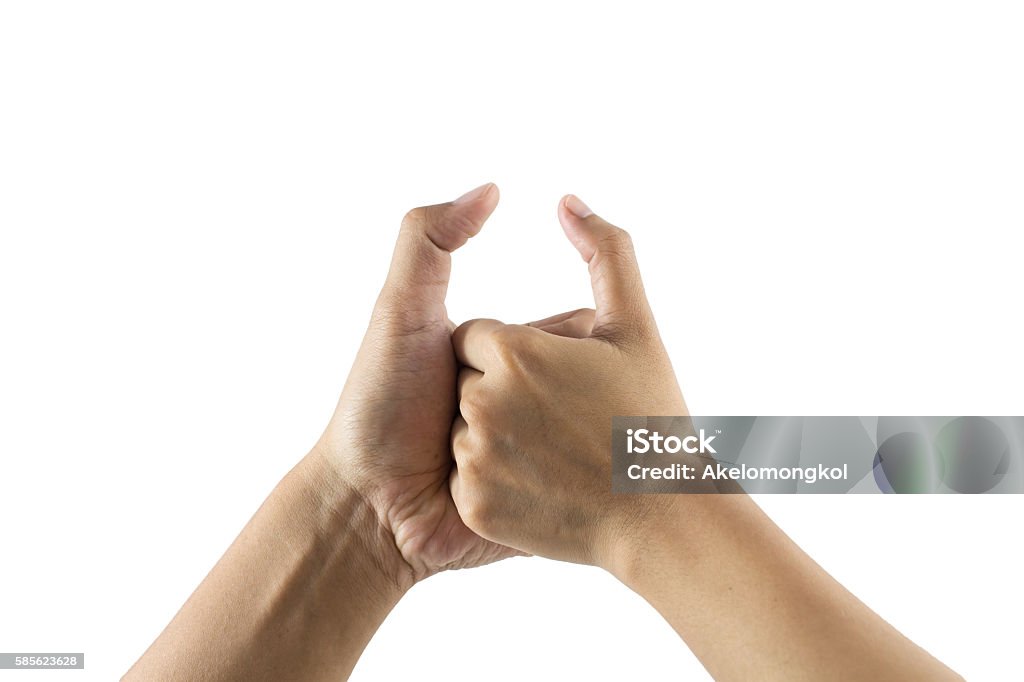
(198, 201)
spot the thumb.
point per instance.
(621, 305)
(421, 263)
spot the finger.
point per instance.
(421, 263)
(472, 343)
(554, 319)
(460, 429)
(456, 480)
(462, 492)
(622, 308)
(577, 324)
(455, 486)
(468, 380)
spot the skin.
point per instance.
(380, 503)
(533, 472)
(366, 514)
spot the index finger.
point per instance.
(471, 341)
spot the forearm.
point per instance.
(297, 595)
(752, 605)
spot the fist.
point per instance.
(532, 438)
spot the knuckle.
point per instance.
(447, 229)
(513, 347)
(616, 244)
(490, 443)
(415, 217)
(472, 406)
(476, 512)
(460, 444)
(467, 461)
(460, 225)
(471, 448)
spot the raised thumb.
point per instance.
(421, 263)
(621, 306)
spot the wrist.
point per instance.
(659, 525)
(689, 531)
(637, 534)
(345, 515)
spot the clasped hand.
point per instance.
(455, 447)
(446, 436)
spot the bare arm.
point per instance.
(534, 473)
(751, 604)
(362, 518)
(297, 596)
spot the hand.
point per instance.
(389, 437)
(532, 443)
